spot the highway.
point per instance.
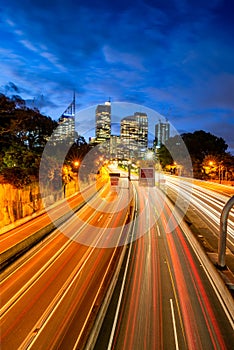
(166, 297)
(63, 280)
(47, 218)
(207, 199)
(166, 300)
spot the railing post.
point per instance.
(223, 232)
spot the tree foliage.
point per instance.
(164, 156)
(77, 151)
(23, 135)
(200, 146)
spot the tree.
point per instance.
(11, 115)
(164, 156)
(194, 149)
(77, 151)
(201, 144)
(36, 130)
(175, 152)
(16, 176)
(23, 135)
(23, 125)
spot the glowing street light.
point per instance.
(76, 164)
(149, 155)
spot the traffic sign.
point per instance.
(114, 181)
(147, 177)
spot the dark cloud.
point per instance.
(11, 88)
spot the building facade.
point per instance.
(66, 125)
(162, 133)
(103, 122)
(115, 147)
(134, 136)
(142, 120)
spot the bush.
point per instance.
(16, 176)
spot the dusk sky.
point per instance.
(175, 57)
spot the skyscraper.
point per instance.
(134, 135)
(103, 122)
(162, 133)
(66, 128)
(142, 121)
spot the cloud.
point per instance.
(11, 87)
(28, 45)
(173, 54)
(113, 56)
(54, 60)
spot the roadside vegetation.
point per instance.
(209, 157)
(24, 133)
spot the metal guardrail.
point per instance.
(223, 233)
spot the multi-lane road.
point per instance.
(168, 299)
(208, 199)
(167, 295)
(51, 298)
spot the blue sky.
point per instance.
(175, 57)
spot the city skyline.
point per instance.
(175, 58)
(118, 113)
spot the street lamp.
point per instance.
(149, 155)
(220, 164)
(76, 165)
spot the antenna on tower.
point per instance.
(168, 113)
(74, 102)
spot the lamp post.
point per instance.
(76, 165)
(220, 164)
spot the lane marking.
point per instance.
(174, 324)
(111, 339)
(30, 283)
(100, 217)
(158, 231)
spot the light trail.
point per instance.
(53, 271)
(174, 324)
(207, 203)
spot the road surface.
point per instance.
(166, 300)
(51, 298)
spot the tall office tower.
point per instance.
(66, 128)
(103, 122)
(129, 135)
(162, 133)
(142, 120)
(134, 136)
